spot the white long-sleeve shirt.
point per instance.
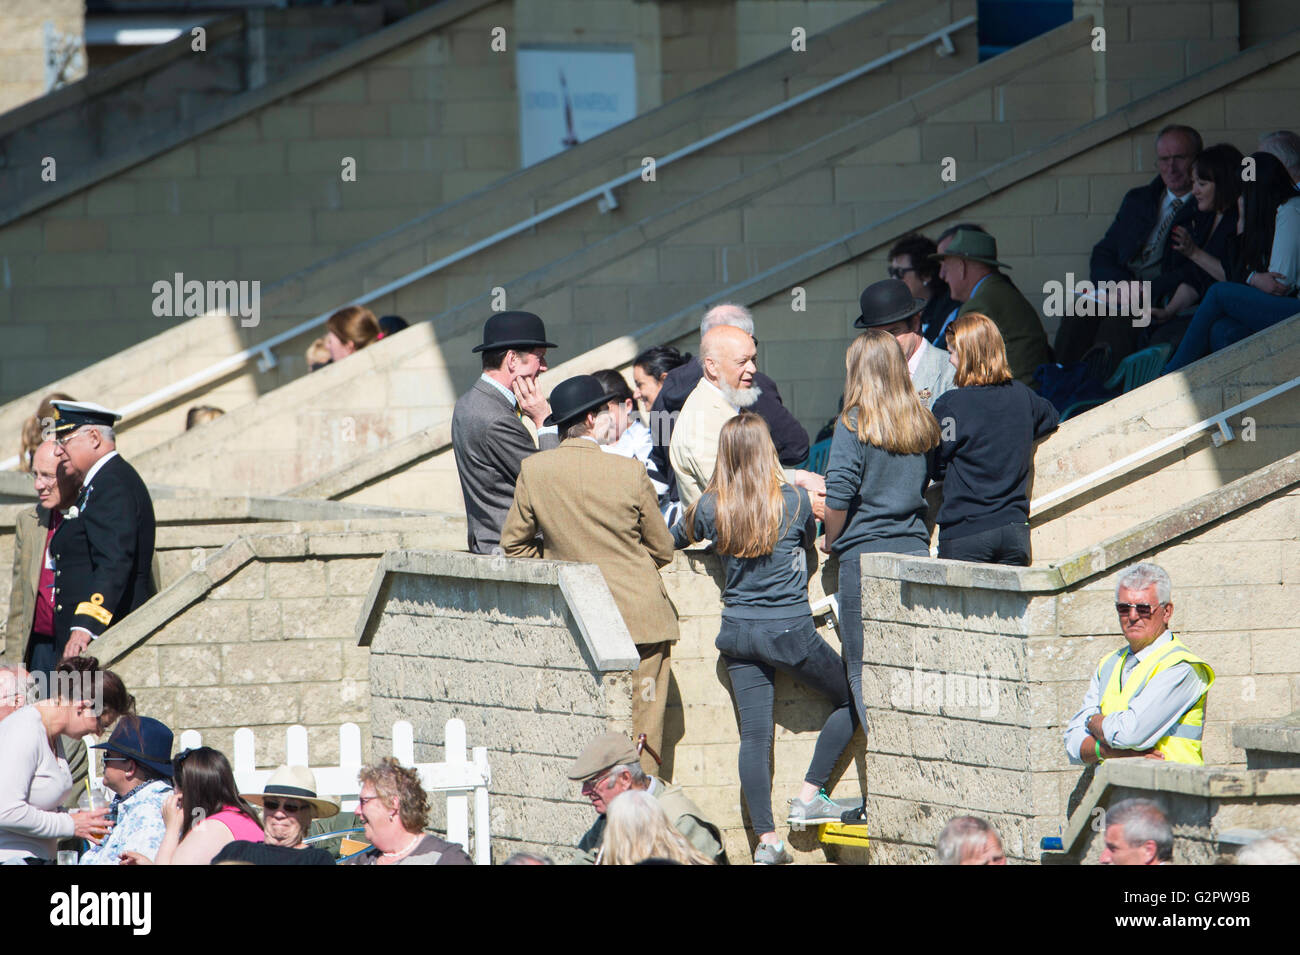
(1151, 714)
(33, 781)
(1285, 257)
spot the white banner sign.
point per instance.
(568, 95)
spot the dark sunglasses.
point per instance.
(273, 805)
(897, 273)
(1144, 610)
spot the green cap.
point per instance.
(969, 244)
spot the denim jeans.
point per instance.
(753, 650)
(1229, 312)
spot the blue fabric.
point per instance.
(139, 826)
(1242, 307)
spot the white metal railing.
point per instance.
(1219, 422)
(603, 194)
(458, 775)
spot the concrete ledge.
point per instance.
(605, 634)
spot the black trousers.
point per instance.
(1008, 544)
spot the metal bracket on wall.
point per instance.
(607, 202)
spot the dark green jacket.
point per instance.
(1017, 320)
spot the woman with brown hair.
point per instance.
(204, 814)
(350, 329)
(764, 531)
(34, 776)
(394, 809)
(875, 478)
(990, 423)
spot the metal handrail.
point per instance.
(602, 193)
(1223, 436)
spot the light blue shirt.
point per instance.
(1151, 714)
(139, 826)
(514, 402)
(952, 316)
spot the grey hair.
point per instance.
(1285, 145)
(1278, 847)
(105, 431)
(1142, 821)
(1141, 576)
(639, 778)
(962, 836)
(528, 858)
(728, 313)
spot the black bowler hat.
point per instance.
(886, 302)
(513, 330)
(574, 397)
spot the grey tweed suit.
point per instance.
(934, 375)
(490, 443)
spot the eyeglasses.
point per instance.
(1143, 610)
(897, 273)
(590, 785)
(273, 805)
(362, 800)
(117, 759)
(62, 441)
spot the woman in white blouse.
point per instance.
(34, 775)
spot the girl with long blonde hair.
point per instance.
(638, 829)
(986, 453)
(764, 531)
(875, 478)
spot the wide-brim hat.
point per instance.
(70, 415)
(604, 752)
(513, 330)
(969, 244)
(143, 739)
(296, 782)
(886, 302)
(574, 397)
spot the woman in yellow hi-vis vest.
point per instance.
(1146, 698)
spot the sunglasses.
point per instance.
(897, 273)
(273, 805)
(1143, 610)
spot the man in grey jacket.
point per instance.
(889, 306)
(487, 427)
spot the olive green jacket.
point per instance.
(687, 819)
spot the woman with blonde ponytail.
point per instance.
(764, 531)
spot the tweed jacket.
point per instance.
(934, 374)
(490, 442)
(1017, 320)
(598, 509)
(31, 527)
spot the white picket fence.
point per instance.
(459, 776)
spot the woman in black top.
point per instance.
(988, 426)
(764, 531)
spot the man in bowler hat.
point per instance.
(488, 434)
(602, 509)
(103, 550)
(891, 307)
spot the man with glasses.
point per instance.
(1136, 247)
(1146, 698)
(138, 771)
(103, 550)
(611, 764)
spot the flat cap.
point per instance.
(602, 753)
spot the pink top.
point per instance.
(240, 826)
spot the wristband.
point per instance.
(1096, 748)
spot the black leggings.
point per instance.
(753, 650)
(1008, 544)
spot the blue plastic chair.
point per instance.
(819, 456)
(1138, 369)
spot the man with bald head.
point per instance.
(788, 434)
(727, 355)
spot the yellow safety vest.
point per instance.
(1183, 744)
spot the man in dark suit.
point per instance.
(488, 434)
(103, 550)
(1137, 245)
(789, 436)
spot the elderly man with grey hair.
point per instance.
(1285, 145)
(1148, 697)
(1137, 833)
(789, 436)
(969, 840)
(13, 688)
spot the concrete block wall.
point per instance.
(1031, 640)
(22, 45)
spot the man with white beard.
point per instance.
(727, 357)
